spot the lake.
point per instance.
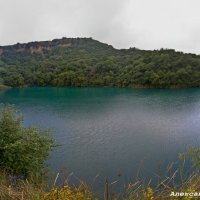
(108, 132)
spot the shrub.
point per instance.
(82, 192)
(23, 150)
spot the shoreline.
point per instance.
(4, 87)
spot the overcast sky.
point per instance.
(146, 24)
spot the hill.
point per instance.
(86, 62)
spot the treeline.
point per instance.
(87, 62)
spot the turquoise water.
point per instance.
(118, 133)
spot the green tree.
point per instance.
(23, 151)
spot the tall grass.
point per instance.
(31, 190)
(20, 190)
(27, 190)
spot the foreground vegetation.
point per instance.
(23, 176)
(27, 190)
(87, 62)
(23, 150)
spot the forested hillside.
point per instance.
(87, 62)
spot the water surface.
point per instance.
(112, 132)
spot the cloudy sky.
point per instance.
(146, 24)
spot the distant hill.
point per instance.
(86, 62)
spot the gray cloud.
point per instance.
(141, 23)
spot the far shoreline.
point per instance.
(4, 87)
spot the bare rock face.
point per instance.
(40, 47)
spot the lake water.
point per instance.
(118, 133)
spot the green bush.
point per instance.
(23, 151)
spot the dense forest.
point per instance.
(87, 62)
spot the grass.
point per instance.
(22, 190)
(164, 189)
(26, 190)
